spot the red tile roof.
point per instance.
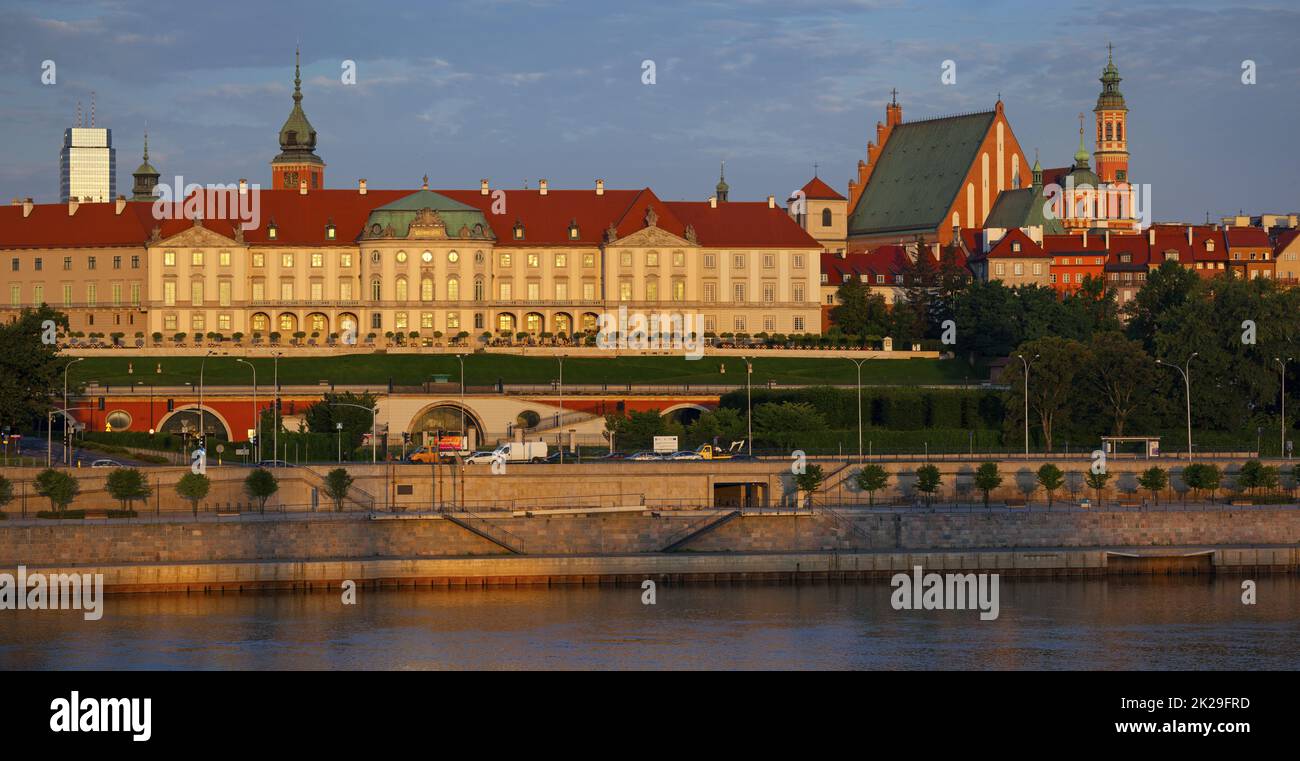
(888, 260)
(1005, 248)
(819, 190)
(1239, 237)
(1285, 239)
(301, 220)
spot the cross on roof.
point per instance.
(893, 94)
(814, 169)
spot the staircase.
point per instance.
(484, 528)
(697, 529)
(846, 523)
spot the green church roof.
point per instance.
(1022, 208)
(429, 210)
(919, 174)
(297, 137)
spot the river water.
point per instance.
(1114, 623)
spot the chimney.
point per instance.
(361, 186)
(302, 187)
(600, 187)
(243, 186)
(1106, 239)
(713, 202)
(121, 204)
(1189, 235)
(771, 202)
(844, 254)
(1151, 236)
(27, 207)
(72, 206)
(1085, 238)
(541, 186)
(482, 187)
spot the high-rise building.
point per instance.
(88, 165)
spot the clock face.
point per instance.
(401, 257)
(427, 257)
(453, 257)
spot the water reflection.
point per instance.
(1117, 623)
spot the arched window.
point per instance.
(426, 289)
(826, 217)
(478, 289)
(376, 290)
(453, 289)
(401, 289)
(1110, 131)
(260, 322)
(1119, 130)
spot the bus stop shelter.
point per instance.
(1150, 445)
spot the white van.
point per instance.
(511, 451)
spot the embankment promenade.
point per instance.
(627, 546)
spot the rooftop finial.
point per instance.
(1110, 53)
(146, 145)
(893, 97)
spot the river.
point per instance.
(1112, 623)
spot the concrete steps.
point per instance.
(697, 529)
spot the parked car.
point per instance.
(273, 464)
(105, 464)
(685, 454)
(614, 456)
(645, 456)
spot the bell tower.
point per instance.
(1111, 156)
(297, 160)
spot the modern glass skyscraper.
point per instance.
(88, 165)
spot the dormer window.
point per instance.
(1126, 258)
(1171, 256)
(573, 229)
(272, 231)
(330, 230)
(1015, 247)
(518, 230)
(1209, 245)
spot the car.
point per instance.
(645, 456)
(614, 456)
(481, 457)
(105, 464)
(273, 464)
(685, 454)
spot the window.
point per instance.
(259, 291)
(169, 322)
(223, 321)
(259, 260)
(561, 261)
(169, 293)
(797, 292)
(589, 260)
(345, 260)
(453, 321)
(399, 286)
(14, 264)
(376, 290)
(479, 289)
(1038, 268)
(652, 290)
(453, 289)
(1019, 268)
(317, 290)
(401, 257)
(826, 217)
(679, 259)
(561, 290)
(769, 261)
(117, 262)
(880, 279)
(135, 262)
(286, 290)
(67, 262)
(710, 323)
(710, 261)
(196, 292)
(399, 321)
(652, 259)
(426, 289)
(589, 291)
(798, 323)
(90, 263)
(507, 292)
(223, 258)
(317, 259)
(426, 319)
(625, 259)
(534, 260)
(679, 290)
(37, 264)
(345, 290)
(1000, 268)
(534, 290)
(286, 260)
(738, 292)
(710, 292)
(453, 257)
(625, 290)
(38, 294)
(196, 258)
(738, 261)
(197, 322)
(91, 294)
(504, 260)
(135, 294)
(376, 321)
(223, 293)
(739, 323)
(769, 293)
(797, 261)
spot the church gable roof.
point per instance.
(1022, 208)
(919, 173)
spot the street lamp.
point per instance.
(1027, 363)
(275, 410)
(1282, 451)
(749, 408)
(1187, 380)
(858, 363)
(203, 438)
(66, 447)
(560, 420)
(256, 433)
(463, 432)
(339, 427)
(374, 426)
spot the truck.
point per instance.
(511, 451)
(710, 452)
(445, 447)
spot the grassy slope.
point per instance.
(485, 369)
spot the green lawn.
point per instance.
(486, 369)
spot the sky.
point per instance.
(514, 91)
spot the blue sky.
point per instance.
(516, 91)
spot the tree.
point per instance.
(1167, 287)
(1097, 482)
(58, 487)
(322, 416)
(260, 485)
(1050, 478)
(987, 479)
(871, 479)
(1154, 479)
(126, 485)
(6, 493)
(193, 487)
(785, 424)
(1052, 382)
(810, 480)
(30, 367)
(337, 484)
(722, 425)
(858, 311)
(927, 481)
(1122, 374)
(637, 429)
(1211, 479)
(1255, 475)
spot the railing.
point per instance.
(488, 530)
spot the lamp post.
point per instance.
(256, 433)
(49, 442)
(559, 422)
(858, 364)
(749, 407)
(374, 427)
(66, 443)
(463, 433)
(203, 438)
(1187, 381)
(1027, 363)
(1281, 452)
(275, 410)
(339, 427)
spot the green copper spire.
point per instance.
(1038, 171)
(722, 187)
(1081, 155)
(297, 138)
(1110, 97)
(145, 176)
